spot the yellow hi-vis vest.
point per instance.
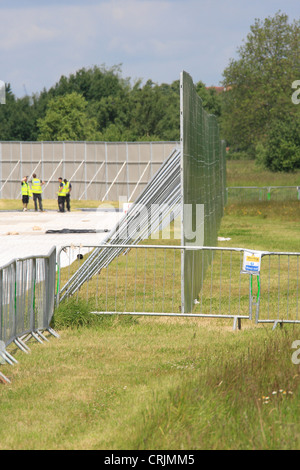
(25, 189)
(67, 186)
(36, 186)
(62, 190)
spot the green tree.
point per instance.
(17, 119)
(154, 111)
(66, 118)
(211, 100)
(92, 83)
(259, 83)
(281, 148)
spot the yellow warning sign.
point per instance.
(254, 259)
(251, 262)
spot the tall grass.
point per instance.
(248, 173)
(147, 383)
(117, 383)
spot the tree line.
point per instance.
(257, 116)
(98, 104)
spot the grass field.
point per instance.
(51, 204)
(247, 173)
(117, 383)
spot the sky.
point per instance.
(150, 39)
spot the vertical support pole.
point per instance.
(14, 300)
(250, 296)
(21, 166)
(64, 160)
(1, 307)
(1, 160)
(47, 299)
(32, 310)
(106, 169)
(127, 171)
(182, 193)
(85, 172)
(42, 159)
(151, 160)
(257, 299)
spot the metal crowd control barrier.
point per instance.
(262, 193)
(154, 209)
(279, 286)
(146, 280)
(27, 289)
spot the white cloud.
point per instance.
(40, 41)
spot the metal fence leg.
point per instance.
(5, 379)
(20, 346)
(42, 336)
(6, 358)
(276, 323)
(20, 343)
(237, 323)
(36, 337)
(53, 333)
(11, 358)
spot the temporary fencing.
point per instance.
(97, 170)
(279, 300)
(146, 280)
(155, 208)
(27, 289)
(262, 193)
(190, 183)
(203, 178)
(106, 170)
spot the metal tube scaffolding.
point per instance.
(156, 207)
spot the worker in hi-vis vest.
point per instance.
(36, 188)
(61, 195)
(68, 187)
(26, 192)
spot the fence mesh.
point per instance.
(203, 185)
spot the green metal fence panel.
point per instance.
(203, 172)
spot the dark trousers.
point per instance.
(68, 202)
(37, 198)
(61, 203)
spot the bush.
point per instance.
(76, 313)
(238, 155)
(281, 150)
